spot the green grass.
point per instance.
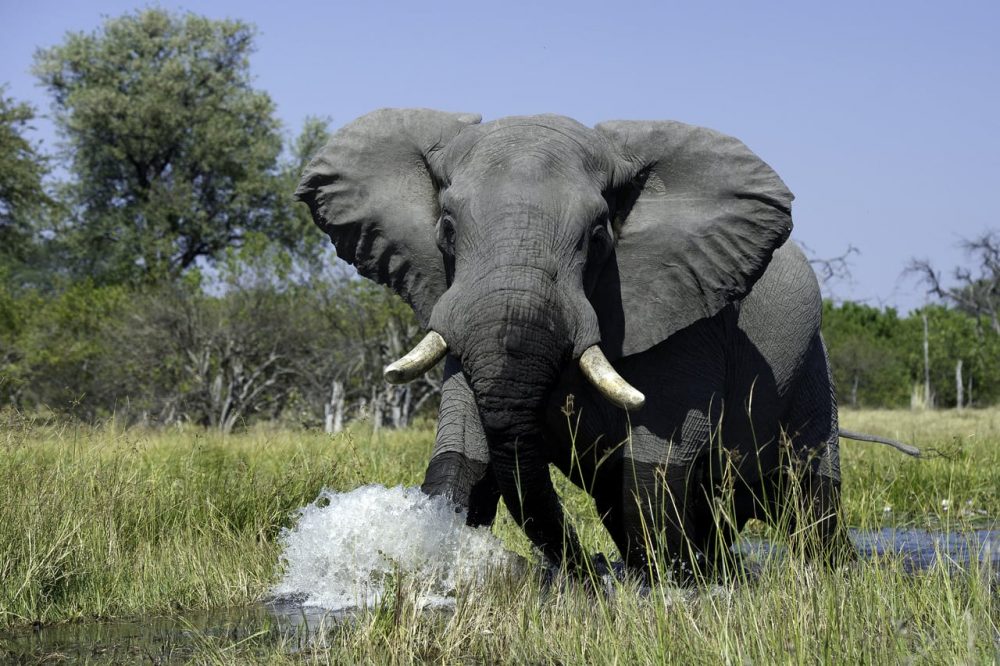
(106, 522)
(960, 473)
(98, 523)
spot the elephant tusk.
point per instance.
(424, 356)
(598, 370)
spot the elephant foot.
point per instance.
(602, 577)
(599, 576)
(731, 569)
(697, 569)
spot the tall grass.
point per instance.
(106, 522)
(98, 522)
(957, 483)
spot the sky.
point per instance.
(882, 117)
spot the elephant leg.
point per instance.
(720, 506)
(606, 492)
(586, 435)
(470, 484)
(459, 467)
(640, 487)
(812, 463)
(665, 502)
(661, 479)
(659, 526)
(821, 535)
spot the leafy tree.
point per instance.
(868, 366)
(315, 133)
(14, 313)
(54, 348)
(22, 168)
(877, 357)
(174, 155)
(953, 335)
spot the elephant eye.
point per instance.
(599, 248)
(601, 231)
(446, 235)
(600, 241)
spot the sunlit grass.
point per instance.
(957, 483)
(108, 522)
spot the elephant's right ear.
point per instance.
(698, 216)
(373, 190)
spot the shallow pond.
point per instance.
(174, 638)
(291, 627)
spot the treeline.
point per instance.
(307, 350)
(157, 269)
(878, 358)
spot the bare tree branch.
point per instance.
(977, 288)
(830, 270)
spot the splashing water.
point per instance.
(346, 547)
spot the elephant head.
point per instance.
(529, 243)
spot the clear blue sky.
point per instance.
(882, 117)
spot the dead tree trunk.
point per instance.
(407, 406)
(399, 405)
(334, 409)
(376, 409)
(928, 396)
(958, 385)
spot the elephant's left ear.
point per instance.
(697, 218)
(374, 190)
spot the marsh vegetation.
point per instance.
(107, 522)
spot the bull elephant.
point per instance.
(635, 275)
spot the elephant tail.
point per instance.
(865, 437)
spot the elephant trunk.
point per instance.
(520, 343)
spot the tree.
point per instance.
(830, 270)
(173, 154)
(54, 347)
(22, 168)
(977, 290)
(216, 361)
(364, 328)
(315, 133)
(869, 367)
(953, 336)
(968, 334)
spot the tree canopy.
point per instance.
(22, 168)
(174, 155)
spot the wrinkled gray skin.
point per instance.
(524, 241)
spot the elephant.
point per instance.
(621, 302)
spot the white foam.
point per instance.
(345, 547)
